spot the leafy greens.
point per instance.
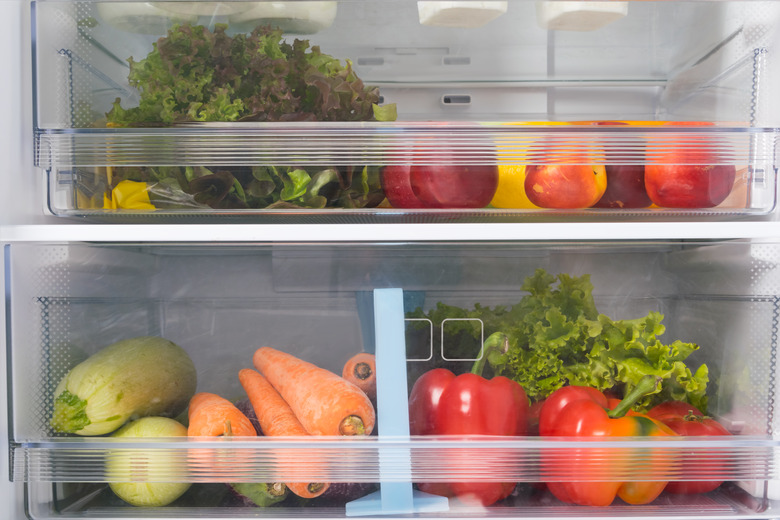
(555, 336)
(193, 74)
(247, 187)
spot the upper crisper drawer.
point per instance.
(398, 110)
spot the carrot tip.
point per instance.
(315, 487)
(352, 425)
(363, 371)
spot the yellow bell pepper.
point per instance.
(128, 195)
(511, 188)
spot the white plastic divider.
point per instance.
(393, 413)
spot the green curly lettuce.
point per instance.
(555, 336)
(194, 74)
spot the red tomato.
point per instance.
(673, 409)
(685, 419)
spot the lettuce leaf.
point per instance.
(193, 74)
(555, 336)
(238, 187)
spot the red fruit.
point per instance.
(397, 186)
(689, 186)
(445, 184)
(685, 419)
(625, 188)
(565, 186)
(454, 185)
(673, 409)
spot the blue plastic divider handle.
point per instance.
(396, 494)
(365, 308)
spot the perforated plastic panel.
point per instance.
(40, 300)
(765, 277)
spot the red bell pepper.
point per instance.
(686, 419)
(442, 403)
(578, 411)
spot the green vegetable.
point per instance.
(555, 336)
(260, 494)
(193, 74)
(256, 186)
(142, 474)
(131, 378)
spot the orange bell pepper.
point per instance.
(578, 411)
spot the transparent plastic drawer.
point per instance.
(700, 316)
(406, 111)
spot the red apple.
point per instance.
(625, 188)
(689, 185)
(565, 186)
(454, 185)
(396, 183)
(412, 183)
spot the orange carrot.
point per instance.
(360, 370)
(214, 416)
(277, 419)
(324, 403)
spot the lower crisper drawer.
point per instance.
(700, 317)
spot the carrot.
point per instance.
(360, 370)
(214, 416)
(324, 403)
(277, 419)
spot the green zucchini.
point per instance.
(131, 378)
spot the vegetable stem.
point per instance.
(646, 385)
(496, 342)
(70, 413)
(239, 190)
(277, 489)
(692, 417)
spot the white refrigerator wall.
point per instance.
(18, 200)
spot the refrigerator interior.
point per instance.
(220, 302)
(664, 83)
(663, 65)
